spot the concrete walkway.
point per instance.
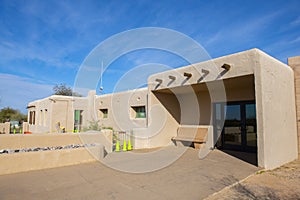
(187, 178)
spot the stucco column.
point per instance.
(91, 116)
(294, 63)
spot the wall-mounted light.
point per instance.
(226, 66)
(188, 75)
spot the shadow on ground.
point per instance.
(248, 157)
(187, 178)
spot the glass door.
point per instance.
(232, 130)
(239, 129)
(250, 127)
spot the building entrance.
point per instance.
(239, 130)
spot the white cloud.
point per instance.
(49, 37)
(239, 32)
(296, 40)
(17, 92)
(295, 22)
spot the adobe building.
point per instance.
(75, 114)
(244, 101)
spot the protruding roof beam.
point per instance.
(188, 75)
(159, 80)
(172, 77)
(204, 71)
(226, 66)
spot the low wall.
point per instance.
(25, 127)
(21, 162)
(25, 161)
(4, 128)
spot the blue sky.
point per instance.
(43, 43)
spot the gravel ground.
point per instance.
(281, 183)
(71, 146)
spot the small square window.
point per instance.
(139, 112)
(103, 113)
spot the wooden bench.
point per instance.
(191, 134)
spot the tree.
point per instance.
(63, 89)
(10, 114)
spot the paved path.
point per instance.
(187, 178)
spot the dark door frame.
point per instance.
(243, 146)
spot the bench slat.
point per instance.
(188, 139)
(191, 134)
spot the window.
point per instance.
(103, 113)
(32, 117)
(45, 117)
(139, 112)
(77, 120)
(41, 117)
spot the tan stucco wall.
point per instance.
(18, 162)
(21, 162)
(119, 109)
(20, 141)
(163, 119)
(4, 128)
(294, 62)
(276, 116)
(62, 112)
(241, 64)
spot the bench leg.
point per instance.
(198, 145)
(179, 143)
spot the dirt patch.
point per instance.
(281, 183)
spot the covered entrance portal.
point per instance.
(235, 120)
(252, 79)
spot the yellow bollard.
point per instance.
(129, 147)
(117, 146)
(124, 146)
(15, 131)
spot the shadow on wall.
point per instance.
(170, 102)
(169, 99)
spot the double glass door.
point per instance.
(236, 123)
